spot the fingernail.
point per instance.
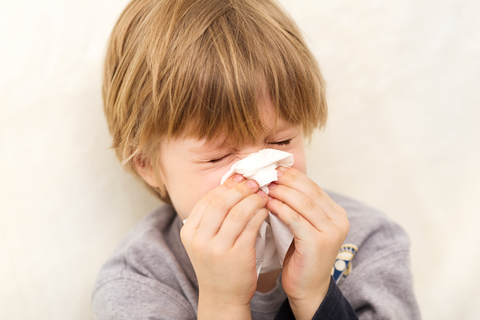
(252, 184)
(262, 194)
(270, 198)
(238, 177)
(284, 169)
(279, 173)
(272, 186)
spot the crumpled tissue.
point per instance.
(274, 237)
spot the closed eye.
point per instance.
(278, 143)
(219, 159)
(282, 143)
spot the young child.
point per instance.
(190, 88)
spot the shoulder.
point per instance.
(146, 269)
(125, 298)
(371, 227)
(146, 237)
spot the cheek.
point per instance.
(212, 181)
(187, 196)
(299, 161)
(209, 181)
(300, 165)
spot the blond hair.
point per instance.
(193, 68)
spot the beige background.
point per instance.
(403, 88)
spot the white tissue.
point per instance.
(274, 237)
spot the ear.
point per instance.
(145, 170)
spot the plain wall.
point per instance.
(403, 83)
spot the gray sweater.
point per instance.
(150, 276)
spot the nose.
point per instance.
(253, 148)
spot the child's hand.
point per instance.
(319, 226)
(219, 237)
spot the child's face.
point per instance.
(192, 167)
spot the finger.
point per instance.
(198, 210)
(219, 207)
(301, 205)
(297, 180)
(300, 227)
(239, 216)
(249, 234)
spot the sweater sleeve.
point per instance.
(383, 289)
(333, 307)
(380, 285)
